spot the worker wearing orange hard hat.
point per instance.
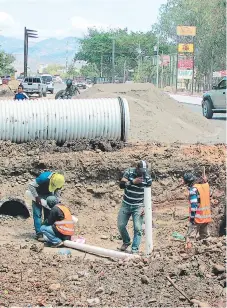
(46, 184)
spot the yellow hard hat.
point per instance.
(56, 182)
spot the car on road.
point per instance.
(34, 85)
(214, 101)
(48, 80)
(81, 85)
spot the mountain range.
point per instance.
(47, 51)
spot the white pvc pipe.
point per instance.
(99, 251)
(64, 120)
(148, 220)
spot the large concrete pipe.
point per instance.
(62, 120)
(14, 207)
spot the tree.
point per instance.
(130, 47)
(54, 69)
(209, 17)
(6, 64)
(89, 70)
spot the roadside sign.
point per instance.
(185, 63)
(185, 74)
(186, 31)
(186, 48)
(165, 60)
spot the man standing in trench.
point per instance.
(133, 182)
(46, 184)
(199, 207)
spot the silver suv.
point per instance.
(214, 101)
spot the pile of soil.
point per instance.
(42, 277)
(6, 91)
(155, 116)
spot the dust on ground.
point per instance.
(157, 117)
(37, 276)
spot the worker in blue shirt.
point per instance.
(20, 95)
(46, 184)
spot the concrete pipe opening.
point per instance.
(14, 207)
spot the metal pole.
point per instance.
(25, 52)
(113, 61)
(124, 71)
(162, 72)
(193, 69)
(157, 69)
(101, 68)
(177, 65)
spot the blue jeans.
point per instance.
(50, 235)
(37, 214)
(126, 211)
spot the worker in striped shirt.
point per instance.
(133, 182)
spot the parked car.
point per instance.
(0, 81)
(214, 101)
(81, 85)
(48, 80)
(34, 85)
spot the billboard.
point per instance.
(186, 31)
(185, 63)
(185, 74)
(185, 48)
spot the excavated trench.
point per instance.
(93, 169)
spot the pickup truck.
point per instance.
(34, 85)
(214, 101)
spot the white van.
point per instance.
(48, 80)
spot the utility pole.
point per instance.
(124, 71)
(113, 61)
(101, 66)
(162, 72)
(157, 69)
(27, 34)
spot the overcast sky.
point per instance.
(62, 18)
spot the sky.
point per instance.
(63, 18)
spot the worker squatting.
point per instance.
(58, 224)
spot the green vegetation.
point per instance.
(6, 64)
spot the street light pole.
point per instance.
(113, 61)
(157, 69)
(32, 34)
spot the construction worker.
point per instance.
(133, 182)
(199, 208)
(59, 226)
(45, 185)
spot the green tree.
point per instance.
(54, 69)
(6, 63)
(89, 70)
(130, 47)
(209, 17)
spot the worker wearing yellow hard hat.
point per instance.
(46, 184)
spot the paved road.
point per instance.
(218, 121)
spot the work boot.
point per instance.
(39, 237)
(57, 245)
(124, 247)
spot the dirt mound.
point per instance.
(5, 91)
(155, 116)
